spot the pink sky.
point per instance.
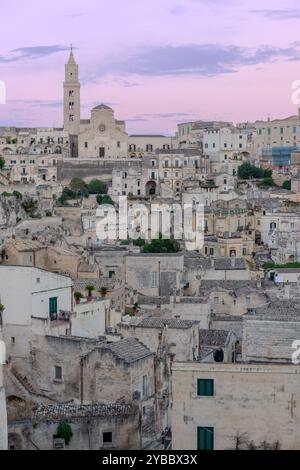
(156, 63)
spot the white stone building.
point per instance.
(3, 413)
(235, 406)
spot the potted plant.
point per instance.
(78, 296)
(135, 307)
(2, 308)
(103, 291)
(90, 288)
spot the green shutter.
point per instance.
(205, 437)
(205, 387)
(209, 388)
(53, 305)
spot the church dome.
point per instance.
(101, 106)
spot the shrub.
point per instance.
(97, 187)
(64, 431)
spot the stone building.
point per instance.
(101, 426)
(179, 337)
(235, 406)
(33, 298)
(217, 346)
(154, 274)
(233, 297)
(32, 155)
(198, 269)
(19, 252)
(270, 331)
(95, 371)
(3, 411)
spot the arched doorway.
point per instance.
(151, 188)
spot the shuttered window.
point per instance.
(205, 438)
(205, 387)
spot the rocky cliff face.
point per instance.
(14, 209)
(11, 211)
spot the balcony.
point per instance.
(61, 316)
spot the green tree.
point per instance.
(30, 206)
(247, 171)
(97, 187)
(17, 195)
(267, 182)
(161, 245)
(287, 184)
(2, 163)
(90, 288)
(64, 431)
(104, 199)
(77, 185)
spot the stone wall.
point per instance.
(88, 423)
(260, 402)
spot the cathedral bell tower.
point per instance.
(72, 100)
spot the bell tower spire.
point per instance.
(72, 96)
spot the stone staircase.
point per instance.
(26, 385)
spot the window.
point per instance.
(58, 373)
(205, 438)
(111, 274)
(86, 145)
(205, 387)
(244, 251)
(53, 307)
(154, 280)
(38, 280)
(118, 144)
(13, 340)
(107, 437)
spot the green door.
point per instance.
(53, 308)
(205, 438)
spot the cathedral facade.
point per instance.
(101, 136)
